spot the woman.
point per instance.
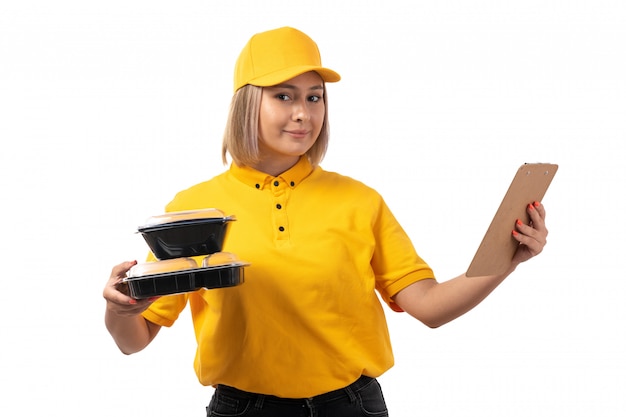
(306, 333)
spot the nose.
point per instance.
(300, 111)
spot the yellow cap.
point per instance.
(278, 55)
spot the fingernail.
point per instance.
(132, 301)
(519, 222)
(531, 207)
(536, 203)
(515, 233)
(151, 299)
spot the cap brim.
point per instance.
(278, 77)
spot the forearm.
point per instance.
(436, 304)
(454, 298)
(130, 333)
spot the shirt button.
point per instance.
(282, 229)
(278, 206)
(257, 185)
(276, 183)
(292, 183)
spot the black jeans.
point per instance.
(359, 399)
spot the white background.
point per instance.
(108, 108)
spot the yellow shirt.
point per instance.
(307, 319)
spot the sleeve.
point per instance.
(165, 310)
(395, 261)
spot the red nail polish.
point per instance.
(536, 203)
(531, 207)
(515, 233)
(132, 301)
(519, 222)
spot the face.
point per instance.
(290, 120)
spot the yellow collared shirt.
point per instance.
(307, 319)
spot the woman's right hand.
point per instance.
(116, 293)
(122, 318)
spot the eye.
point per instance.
(282, 97)
(314, 99)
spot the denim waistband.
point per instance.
(348, 391)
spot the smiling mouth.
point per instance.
(297, 133)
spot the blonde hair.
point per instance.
(241, 135)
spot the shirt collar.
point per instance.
(257, 179)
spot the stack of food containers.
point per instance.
(187, 246)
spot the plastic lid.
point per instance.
(219, 259)
(162, 267)
(177, 216)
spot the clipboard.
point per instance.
(495, 252)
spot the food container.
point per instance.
(174, 276)
(187, 233)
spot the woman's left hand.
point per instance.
(533, 236)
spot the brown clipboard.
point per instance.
(495, 252)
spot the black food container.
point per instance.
(186, 233)
(175, 276)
